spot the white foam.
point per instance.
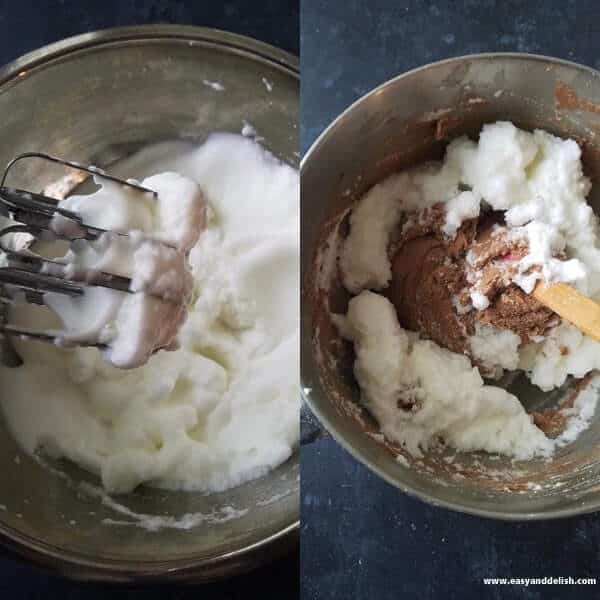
(448, 396)
(223, 408)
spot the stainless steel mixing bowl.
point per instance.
(404, 121)
(95, 98)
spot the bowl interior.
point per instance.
(96, 102)
(402, 123)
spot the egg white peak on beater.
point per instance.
(160, 231)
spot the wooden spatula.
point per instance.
(571, 305)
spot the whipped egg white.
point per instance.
(133, 325)
(223, 408)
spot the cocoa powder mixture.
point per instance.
(431, 277)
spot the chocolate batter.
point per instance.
(431, 276)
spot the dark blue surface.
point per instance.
(26, 25)
(361, 538)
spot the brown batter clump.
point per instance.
(432, 275)
(515, 310)
(551, 421)
(424, 280)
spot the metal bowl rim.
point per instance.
(330, 424)
(128, 34)
(69, 563)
